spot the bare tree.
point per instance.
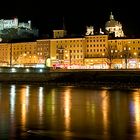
(126, 54)
(110, 53)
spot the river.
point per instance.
(68, 113)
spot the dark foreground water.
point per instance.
(68, 113)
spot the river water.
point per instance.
(68, 113)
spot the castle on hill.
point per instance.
(12, 29)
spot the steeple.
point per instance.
(64, 28)
(111, 16)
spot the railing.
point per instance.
(23, 70)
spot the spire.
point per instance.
(64, 28)
(111, 16)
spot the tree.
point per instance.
(110, 53)
(126, 55)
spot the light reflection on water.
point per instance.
(40, 103)
(67, 108)
(33, 111)
(135, 112)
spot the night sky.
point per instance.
(48, 15)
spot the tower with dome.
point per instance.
(113, 26)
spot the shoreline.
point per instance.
(94, 85)
(113, 79)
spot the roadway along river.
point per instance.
(68, 113)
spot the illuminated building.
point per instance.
(43, 51)
(12, 29)
(129, 50)
(89, 51)
(24, 53)
(95, 49)
(13, 23)
(59, 33)
(90, 30)
(84, 52)
(113, 26)
(67, 51)
(4, 54)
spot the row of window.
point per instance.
(72, 57)
(96, 45)
(96, 37)
(69, 46)
(20, 45)
(96, 40)
(72, 51)
(22, 48)
(4, 49)
(44, 49)
(69, 41)
(92, 55)
(95, 50)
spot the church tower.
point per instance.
(60, 33)
(113, 26)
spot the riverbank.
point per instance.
(93, 78)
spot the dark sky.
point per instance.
(48, 14)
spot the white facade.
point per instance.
(90, 30)
(113, 26)
(13, 23)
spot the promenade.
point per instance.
(79, 77)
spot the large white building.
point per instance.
(13, 23)
(12, 29)
(113, 26)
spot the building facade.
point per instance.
(128, 51)
(5, 50)
(67, 52)
(92, 51)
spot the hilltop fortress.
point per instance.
(13, 23)
(13, 29)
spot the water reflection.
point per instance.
(68, 112)
(67, 108)
(27, 88)
(0, 91)
(24, 105)
(12, 98)
(105, 108)
(12, 109)
(53, 101)
(40, 103)
(135, 112)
